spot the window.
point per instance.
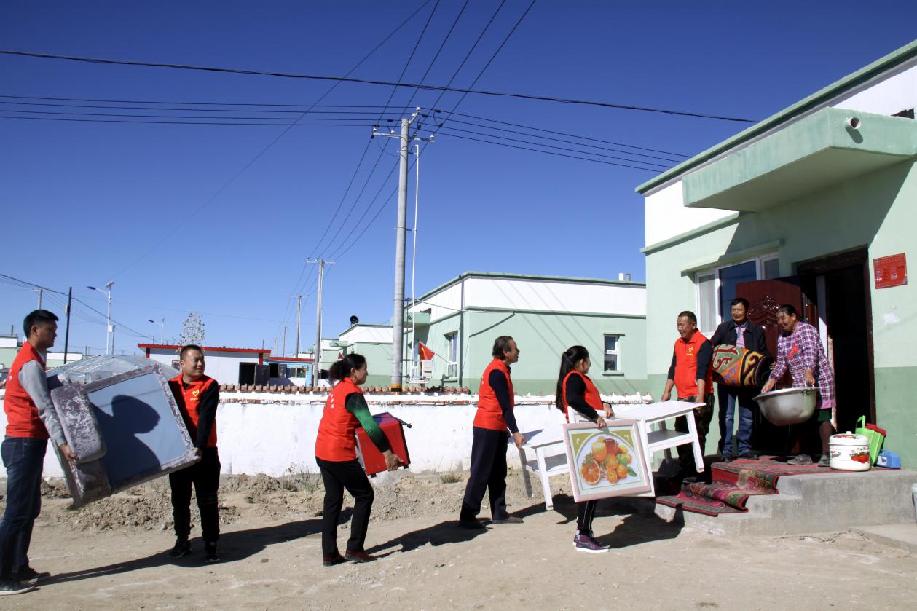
(770, 268)
(716, 288)
(452, 351)
(730, 277)
(612, 353)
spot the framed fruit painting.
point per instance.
(606, 462)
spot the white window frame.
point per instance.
(616, 352)
(452, 364)
(715, 272)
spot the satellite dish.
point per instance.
(354, 320)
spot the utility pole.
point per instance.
(41, 294)
(283, 349)
(400, 229)
(317, 353)
(398, 315)
(110, 328)
(67, 332)
(298, 322)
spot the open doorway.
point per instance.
(839, 286)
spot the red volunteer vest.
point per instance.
(22, 418)
(336, 441)
(489, 414)
(592, 396)
(686, 367)
(190, 399)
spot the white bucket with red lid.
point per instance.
(849, 452)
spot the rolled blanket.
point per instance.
(740, 367)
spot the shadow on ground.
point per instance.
(233, 546)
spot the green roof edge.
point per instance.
(896, 57)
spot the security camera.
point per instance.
(853, 122)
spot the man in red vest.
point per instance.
(198, 397)
(30, 421)
(490, 439)
(692, 377)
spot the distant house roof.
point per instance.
(803, 107)
(177, 347)
(532, 277)
(287, 359)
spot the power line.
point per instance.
(524, 148)
(328, 109)
(26, 284)
(560, 133)
(361, 81)
(337, 211)
(649, 164)
(265, 149)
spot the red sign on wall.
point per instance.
(890, 271)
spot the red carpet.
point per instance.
(732, 484)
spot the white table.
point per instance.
(549, 457)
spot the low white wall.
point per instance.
(274, 435)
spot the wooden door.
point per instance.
(764, 297)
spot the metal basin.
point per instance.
(787, 406)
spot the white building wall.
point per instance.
(667, 216)
(222, 367)
(554, 296)
(444, 303)
(893, 94)
(278, 436)
(364, 334)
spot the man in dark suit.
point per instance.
(739, 332)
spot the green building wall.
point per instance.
(877, 211)
(541, 337)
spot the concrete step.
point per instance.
(815, 503)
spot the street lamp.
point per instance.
(162, 328)
(110, 328)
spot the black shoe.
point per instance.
(332, 559)
(30, 576)
(9, 587)
(358, 556)
(210, 552)
(748, 456)
(507, 520)
(473, 524)
(727, 458)
(181, 549)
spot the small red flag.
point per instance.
(425, 353)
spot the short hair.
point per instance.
(689, 315)
(738, 301)
(37, 317)
(501, 345)
(188, 348)
(788, 309)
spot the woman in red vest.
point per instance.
(335, 453)
(575, 389)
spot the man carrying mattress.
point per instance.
(30, 421)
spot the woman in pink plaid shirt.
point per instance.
(800, 351)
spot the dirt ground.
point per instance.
(112, 555)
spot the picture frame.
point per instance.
(593, 453)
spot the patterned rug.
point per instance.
(732, 483)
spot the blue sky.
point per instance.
(167, 212)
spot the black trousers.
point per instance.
(337, 476)
(585, 512)
(488, 473)
(204, 475)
